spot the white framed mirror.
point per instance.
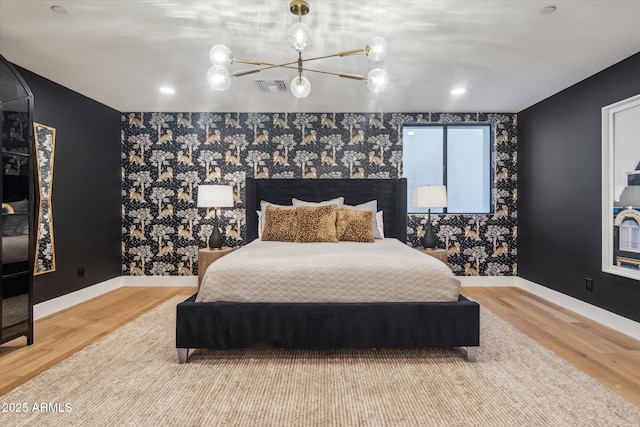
(621, 188)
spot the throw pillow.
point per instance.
(316, 224)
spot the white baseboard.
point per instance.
(469, 281)
(597, 314)
(160, 280)
(607, 318)
(63, 302)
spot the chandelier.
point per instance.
(299, 38)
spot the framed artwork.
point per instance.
(621, 188)
(45, 141)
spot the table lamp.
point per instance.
(216, 197)
(429, 196)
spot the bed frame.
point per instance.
(328, 325)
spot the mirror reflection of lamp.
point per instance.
(429, 196)
(216, 197)
(629, 196)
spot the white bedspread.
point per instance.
(384, 271)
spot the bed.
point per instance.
(328, 324)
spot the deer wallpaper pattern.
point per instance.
(165, 156)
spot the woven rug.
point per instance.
(131, 377)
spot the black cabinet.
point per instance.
(17, 223)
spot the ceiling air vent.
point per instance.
(271, 86)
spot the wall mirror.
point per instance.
(45, 141)
(621, 188)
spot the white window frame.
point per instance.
(491, 180)
(609, 131)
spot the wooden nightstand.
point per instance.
(207, 256)
(440, 254)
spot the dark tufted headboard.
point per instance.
(391, 195)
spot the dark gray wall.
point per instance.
(559, 187)
(86, 187)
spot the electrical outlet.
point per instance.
(80, 272)
(588, 283)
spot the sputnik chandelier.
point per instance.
(299, 38)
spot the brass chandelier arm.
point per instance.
(272, 65)
(291, 67)
(339, 54)
(345, 75)
(351, 52)
(268, 65)
(258, 69)
(245, 72)
(256, 62)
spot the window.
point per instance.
(457, 156)
(630, 236)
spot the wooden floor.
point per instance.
(62, 334)
(608, 356)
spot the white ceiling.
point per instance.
(506, 53)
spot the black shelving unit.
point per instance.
(17, 220)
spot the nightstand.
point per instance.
(440, 254)
(207, 256)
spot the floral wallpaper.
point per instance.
(165, 156)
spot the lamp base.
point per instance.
(216, 240)
(429, 239)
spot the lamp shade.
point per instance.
(630, 197)
(430, 196)
(215, 196)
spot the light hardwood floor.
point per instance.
(62, 334)
(608, 356)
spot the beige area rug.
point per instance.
(131, 377)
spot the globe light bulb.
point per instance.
(377, 49)
(218, 78)
(377, 80)
(300, 87)
(221, 55)
(299, 36)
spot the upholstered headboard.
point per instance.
(391, 195)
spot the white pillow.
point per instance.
(263, 206)
(260, 223)
(377, 227)
(337, 201)
(369, 206)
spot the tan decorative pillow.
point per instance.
(316, 224)
(280, 224)
(354, 225)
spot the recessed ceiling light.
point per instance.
(548, 10)
(458, 91)
(167, 90)
(59, 10)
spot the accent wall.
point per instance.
(165, 156)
